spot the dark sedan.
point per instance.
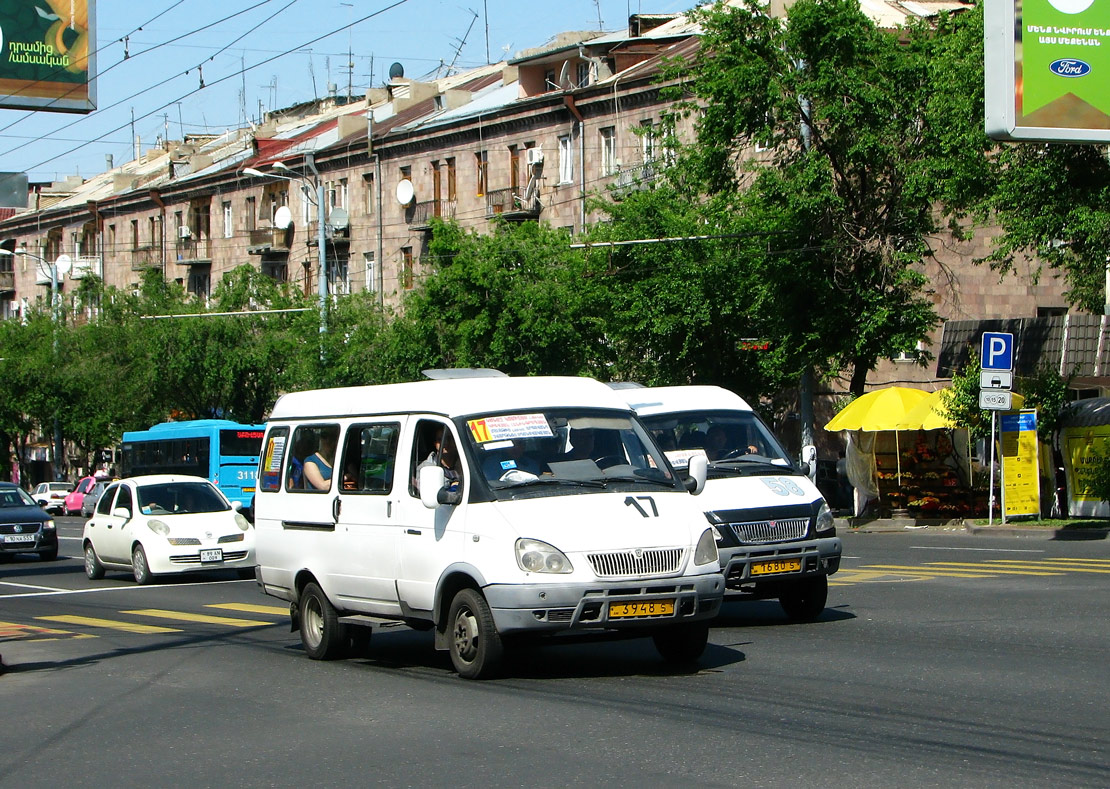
(24, 527)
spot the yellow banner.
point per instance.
(1021, 488)
(1083, 446)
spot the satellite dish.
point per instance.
(405, 192)
(339, 219)
(62, 263)
(283, 217)
(396, 71)
(564, 76)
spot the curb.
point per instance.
(899, 525)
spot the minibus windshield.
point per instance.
(732, 441)
(564, 451)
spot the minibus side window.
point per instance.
(316, 445)
(273, 456)
(426, 447)
(369, 458)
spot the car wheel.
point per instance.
(682, 644)
(140, 567)
(93, 568)
(324, 638)
(476, 648)
(49, 555)
(805, 601)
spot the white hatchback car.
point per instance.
(166, 523)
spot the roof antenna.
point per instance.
(462, 43)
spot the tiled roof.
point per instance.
(1068, 344)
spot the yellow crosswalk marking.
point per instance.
(251, 608)
(110, 624)
(185, 616)
(938, 572)
(1034, 569)
(1077, 560)
(14, 630)
(1063, 568)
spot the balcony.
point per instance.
(193, 251)
(7, 282)
(634, 179)
(422, 213)
(86, 266)
(511, 206)
(268, 240)
(145, 257)
(332, 235)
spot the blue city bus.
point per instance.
(224, 452)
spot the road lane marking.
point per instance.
(186, 616)
(31, 586)
(110, 624)
(959, 568)
(251, 608)
(128, 588)
(1057, 566)
(990, 550)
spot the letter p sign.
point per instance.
(997, 352)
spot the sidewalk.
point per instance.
(872, 525)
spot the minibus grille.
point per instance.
(770, 531)
(640, 562)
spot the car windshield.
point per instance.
(179, 498)
(65, 487)
(564, 451)
(15, 497)
(733, 442)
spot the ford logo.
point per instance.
(1070, 67)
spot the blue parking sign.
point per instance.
(997, 352)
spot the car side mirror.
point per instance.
(237, 505)
(430, 480)
(808, 464)
(697, 471)
(121, 512)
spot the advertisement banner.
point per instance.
(1047, 69)
(1082, 448)
(48, 55)
(1021, 489)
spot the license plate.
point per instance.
(19, 538)
(213, 555)
(773, 568)
(248, 490)
(642, 608)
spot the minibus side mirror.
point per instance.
(697, 471)
(431, 481)
(808, 464)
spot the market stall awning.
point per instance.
(882, 409)
(928, 413)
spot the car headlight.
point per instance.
(534, 556)
(158, 527)
(242, 522)
(825, 520)
(48, 526)
(706, 552)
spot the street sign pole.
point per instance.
(996, 357)
(990, 501)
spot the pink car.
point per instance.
(77, 496)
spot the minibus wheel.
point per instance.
(321, 633)
(680, 644)
(804, 601)
(475, 645)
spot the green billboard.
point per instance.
(48, 55)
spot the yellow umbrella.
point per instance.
(928, 413)
(882, 409)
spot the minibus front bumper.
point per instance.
(605, 605)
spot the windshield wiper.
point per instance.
(650, 480)
(581, 483)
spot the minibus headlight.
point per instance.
(158, 527)
(706, 552)
(825, 520)
(534, 556)
(242, 522)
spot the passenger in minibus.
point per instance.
(318, 467)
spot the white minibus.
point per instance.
(488, 508)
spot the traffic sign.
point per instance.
(997, 352)
(996, 379)
(996, 399)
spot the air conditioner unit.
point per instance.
(184, 231)
(533, 156)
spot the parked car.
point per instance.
(166, 523)
(77, 495)
(24, 527)
(51, 496)
(88, 502)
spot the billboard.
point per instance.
(1047, 70)
(48, 55)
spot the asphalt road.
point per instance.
(943, 660)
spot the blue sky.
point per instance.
(270, 54)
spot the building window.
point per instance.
(112, 238)
(481, 159)
(608, 150)
(368, 181)
(583, 71)
(566, 159)
(371, 272)
(155, 235)
(229, 225)
(252, 213)
(451, 178)
(339, 276)
(307, 198)
(406, 268)
(514, 169)
(647, 140)
(200, 281)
